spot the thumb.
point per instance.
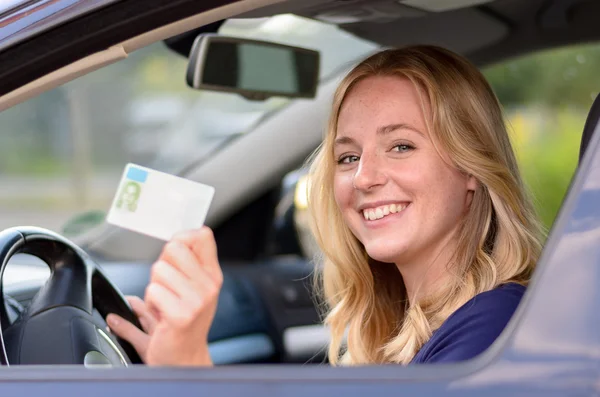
(132, 334)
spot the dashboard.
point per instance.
(266, 311)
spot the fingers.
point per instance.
(191, 293)
(194, 253)
(186, 279)
(185, 288)
(132, 334)
(146, 318)
(202, 244)
(167, 304)
(206, 250)
(180, 255)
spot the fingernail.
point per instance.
(113, 320)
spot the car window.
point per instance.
(546, 97)
(62, 153)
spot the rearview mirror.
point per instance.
(255, 69)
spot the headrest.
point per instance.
(590, 124)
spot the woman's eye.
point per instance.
(403, 148)
(347, 159)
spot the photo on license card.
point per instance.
(158, 204)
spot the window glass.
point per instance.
(63, 152)
(546, 98)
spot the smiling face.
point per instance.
(400, 199)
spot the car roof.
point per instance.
(485, 30)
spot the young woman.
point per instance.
(428, 235)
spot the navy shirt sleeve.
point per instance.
(473, 327)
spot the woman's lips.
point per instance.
(385, 219)
(382, 211)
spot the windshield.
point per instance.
(207, 119)
(62, 153)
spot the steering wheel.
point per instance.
(58, 327)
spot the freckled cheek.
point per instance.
(449, 192)
(343, 190)
(429, 184)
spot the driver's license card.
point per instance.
(158, 204)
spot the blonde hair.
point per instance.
(499, 239)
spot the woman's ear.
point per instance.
(472, 185)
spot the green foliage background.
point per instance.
(546, 98)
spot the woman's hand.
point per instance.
(180, 303)
(139, 339)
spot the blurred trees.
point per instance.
(546, 97)
(555, 78)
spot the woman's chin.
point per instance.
(384, 254)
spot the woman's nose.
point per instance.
(369, 173)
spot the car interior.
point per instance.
(268, 311)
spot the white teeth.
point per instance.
(377, 213)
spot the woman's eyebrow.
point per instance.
(383, 130)
(344, 140)
(386, 129)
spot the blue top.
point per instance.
(472, 328)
